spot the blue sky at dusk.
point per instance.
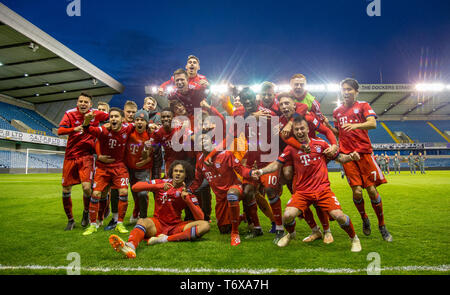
(142, 42)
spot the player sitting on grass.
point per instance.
(166, 224)
(312, 186)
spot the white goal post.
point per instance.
(42, 158)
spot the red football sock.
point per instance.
(323, 217)
(67, 204)
(137, 235)
(309, 218)
(348, 227)
(234, 215)
(253, 212)
(377, 206)
(360, 206)
(188, 234)
(123, 206)
(93, 209)
(101, 208)
(86, 202)
(275, 204)
(290, 227)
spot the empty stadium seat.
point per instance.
(418, 131)
(29, 117)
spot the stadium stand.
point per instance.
(380, 135)
(418, 131)
(443, 125)
(31, 119)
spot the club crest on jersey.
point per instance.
(217, 165)
(356, 111)
(318, 149)
(124, 136)
(236, 160)
(77, 122)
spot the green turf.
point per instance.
(416, 212)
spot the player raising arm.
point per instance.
(312, 186)
(114, 173)
(166, 225)
(78, 164)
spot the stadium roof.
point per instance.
(35, 67)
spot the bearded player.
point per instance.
(352, 121)
(171, 198)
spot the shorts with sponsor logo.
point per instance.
(364, 172)
(116, 176)
(222, 208)
(162, 228)
(326, 200)
(76, 171)
(138, 175)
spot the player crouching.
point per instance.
(312, 186)
(166, 224)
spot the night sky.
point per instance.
(142, 42)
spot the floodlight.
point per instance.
(430, 87)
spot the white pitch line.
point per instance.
(439, 268)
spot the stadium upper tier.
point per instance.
(30, 118)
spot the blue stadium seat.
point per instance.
(418, 131)
(29, 117)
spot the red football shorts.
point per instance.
(326, 200)
(116, 175)
(162, 228)
(364, 172)
(76, 171)
(271, 180)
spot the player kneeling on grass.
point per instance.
(312, 186)
(166, 225)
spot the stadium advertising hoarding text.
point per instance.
(34, 138)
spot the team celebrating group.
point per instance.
(110, 149)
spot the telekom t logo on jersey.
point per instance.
(305, 159)
(134, 148)
(112, 143)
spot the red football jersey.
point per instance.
(255, 136)
(221, 175)
(275, 107)
(310, 170)
(135, 146)
(356, 140)
(164, 138)
(191, 99)
(80, 143)
(112, 143)
(314, 126)
(169, 204)
(192, 81)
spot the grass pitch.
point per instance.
(416, 210)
